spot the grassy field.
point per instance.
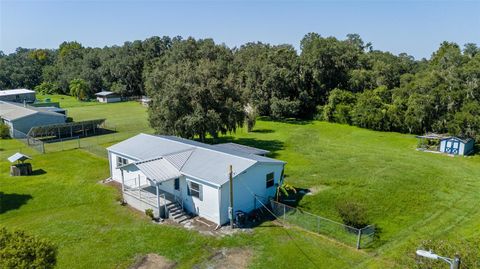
(410, 195)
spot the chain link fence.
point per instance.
(359, 238)
(94, 144)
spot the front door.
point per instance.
(176, 187)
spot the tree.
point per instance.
(79, 88)
(370, 109)
(339, 106)
(47, 88)
(192, 91)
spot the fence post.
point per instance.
(284, 213)
(78, 142)
(359, 238)
(43, 147)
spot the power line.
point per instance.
(282, 224)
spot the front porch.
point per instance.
(150, 196)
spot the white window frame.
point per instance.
(121, 161)
(193, 192)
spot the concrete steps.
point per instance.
(176, 213)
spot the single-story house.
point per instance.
(21, 118)
(457, 146)
(108, 97)
(159, 171)
(18, 95)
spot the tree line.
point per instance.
(200, 88)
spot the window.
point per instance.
(194, 189)
(270, 180)
(121, 161)
(177, 184)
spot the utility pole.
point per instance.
(230, 209)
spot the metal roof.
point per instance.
(243, 148)
(13, 111)
(158, 169)
(144, 147)
(179, 159)
(18, 157)
(463, 140)
(15, 92)
(104, 93)
(191, 158)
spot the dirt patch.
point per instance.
(153, 261)
(238, 258)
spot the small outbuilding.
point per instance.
(21, 168)
(443, 143)
(108, 97)
(457, 146)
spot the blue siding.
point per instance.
(463, 148)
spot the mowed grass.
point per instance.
(68, 206)
(409, 195)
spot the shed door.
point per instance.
(452, 147)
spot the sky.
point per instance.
(414, 27)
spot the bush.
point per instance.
(353, 214)
(4, 131)
(19, 250)
(149, 212)
(47, 88)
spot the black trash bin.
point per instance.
(240, 218)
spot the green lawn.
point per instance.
(410, 195)
(68, 206)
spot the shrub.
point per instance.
(47, 88)
(353, 214)
(149, 212)
(19, 250)
(4, 131)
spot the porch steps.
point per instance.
(176, 213)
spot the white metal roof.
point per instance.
(18, 157)
(15, 92)
(188, 157)
(243, 148)
(104, 93)
(158, 169)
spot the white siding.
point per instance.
(253, 181)
(443, 145)
(115, 173)
(207, 206)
